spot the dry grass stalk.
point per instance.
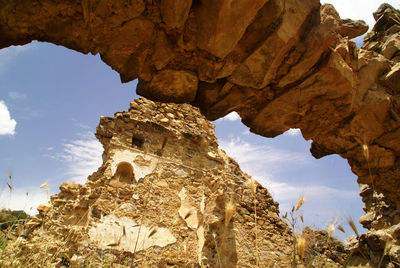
(214, 234)
(152, 233)
(300, 203)
(115, 244)
(188, 215)
(353, 227)
(365, 151)
(301, 246)
(301, 218)
(341, 229)
(385, 251)
(252, 185)
(137, 239)
(331, 228)
(230, 209)
(9, 186)
(44, 185)
(366, 155)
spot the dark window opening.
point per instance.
(137, 142)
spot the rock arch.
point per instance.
(279, 63)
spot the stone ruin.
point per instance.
(279, 63)
(159, 198)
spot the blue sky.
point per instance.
(51, 99)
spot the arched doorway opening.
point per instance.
(124, 173)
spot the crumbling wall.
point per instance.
(156, 203)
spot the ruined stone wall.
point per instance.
(159, 200)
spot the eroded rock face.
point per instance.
(279, 63)
(379, 178)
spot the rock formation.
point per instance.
(382, 218)
(279, 63)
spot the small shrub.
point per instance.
(9, 218)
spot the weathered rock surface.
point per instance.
(279, 63)
(379, 176)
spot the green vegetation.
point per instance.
(8, 219)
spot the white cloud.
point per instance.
(262, 160)
(359, 9)
(14, 95)
(293, 132)
(82, 156)
(233, 116)
(265, 164)
(287, 195)
(7, 124)
(17, 199)
(77, 123)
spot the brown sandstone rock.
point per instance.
(222, 23)
(352, 29)
(279, 63)
(170, 85)
(175, 12)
